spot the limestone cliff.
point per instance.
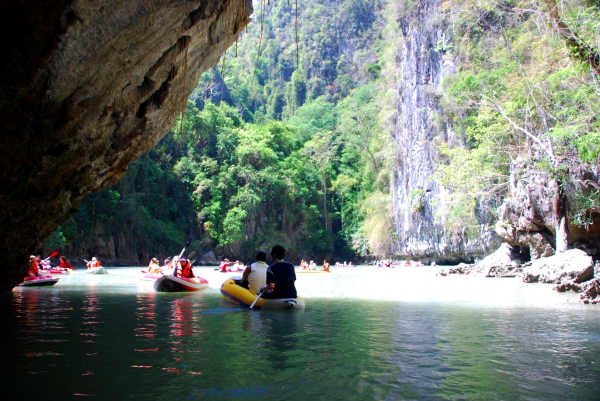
(423, 64)
(85, 88)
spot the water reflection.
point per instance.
(145, 316)
(113, 341)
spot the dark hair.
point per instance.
(261, 256)
(278, 252)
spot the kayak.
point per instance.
(39, 281)
(313, 271)
(236, 270)
(179, 284)
(56, 271)
(97, 270)
(245, 297)
(147, 276)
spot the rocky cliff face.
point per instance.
(85, 88)
(423, 65)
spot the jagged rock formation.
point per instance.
(530, 218)
(85, 88)
(423, 66)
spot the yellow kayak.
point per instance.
(245, 297)
(312, 271)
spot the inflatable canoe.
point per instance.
(97, 270)
(244, 297)
(57, 271)
(39, 281)
(179, 284)
(147, 276)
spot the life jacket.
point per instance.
(185, 271)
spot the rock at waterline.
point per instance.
(570, 267)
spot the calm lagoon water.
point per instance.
(366, 334)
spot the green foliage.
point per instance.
(56, 240)
(518, 99)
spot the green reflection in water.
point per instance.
(201, 346)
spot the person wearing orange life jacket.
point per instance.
(184, 269)
(92, 264)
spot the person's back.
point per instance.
(283, 275)
(258, 275)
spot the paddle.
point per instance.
(52, 255)
(290, 255)
(187, 243)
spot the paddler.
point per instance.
(325, 266)
(64, 263)
(184, 269)
(224, 264)
(33, 269)
(94, 263)
(154, 266)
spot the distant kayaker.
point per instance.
(255, 275)
(304, 265)
(312, 265)
(281, 277)
(325, 266)
(224, 264)
(184, 269)
(92, 264)
(33, 269)
(64, 263)
(154, 266)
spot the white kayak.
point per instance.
(97, 270)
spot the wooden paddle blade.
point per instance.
(191, 255)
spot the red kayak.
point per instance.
(56, 271)
(180, 284)
(39, 281)
(147, 276)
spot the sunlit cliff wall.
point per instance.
(423, 64)
(85, 88)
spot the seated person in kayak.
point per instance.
(312, 265)
(154, 266)
(92, 264)
(184, 269)
(281, 276)
(325, 266)
(224, 264)
(304, 265)
(33, 269)
(255, 275)
(64, 263)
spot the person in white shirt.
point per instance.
(255, 275)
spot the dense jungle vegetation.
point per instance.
(288, 140)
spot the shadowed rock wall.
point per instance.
(85, 88)
(423, 64)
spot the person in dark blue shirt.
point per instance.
(281, 276)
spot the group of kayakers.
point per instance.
(179, 267)
(36, 266)
(313, 266)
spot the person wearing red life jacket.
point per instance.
(33, 269)
(184, 269)
(224, 264)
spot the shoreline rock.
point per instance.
(572, 270)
